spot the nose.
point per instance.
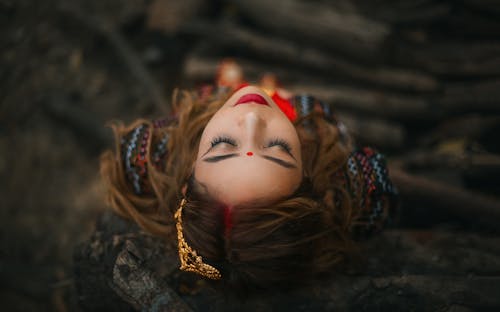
(254, 125)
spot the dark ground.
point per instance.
(51, 192)
(65, 72)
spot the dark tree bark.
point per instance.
(395, 270)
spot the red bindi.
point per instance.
(249, 153)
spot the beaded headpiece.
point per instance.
(140, 146)
(190, 261)
(368, 176)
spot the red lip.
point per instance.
(252, 98)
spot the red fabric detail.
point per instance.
(369, 152)
(141, 162)
(285, 106)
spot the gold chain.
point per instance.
(190, 261)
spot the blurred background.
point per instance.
(417, 79)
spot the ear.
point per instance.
(184, 190)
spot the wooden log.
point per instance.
(401, 268)
(270, 48)
(432, 160)
(427, 252)
(141, 287)
(472, 23)
(169, 16)
(471, 97)
(123, 50)
(478, 171)
(375, 132)
(482, 172)
(456, 202)
(90, 132)
(471, 127)
(485, 5)
(377, 103)
(201, 68)
(455, 58)
(346, 32)
(439, 288)
(406, 12)
(121, 268)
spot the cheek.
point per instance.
(202, 172)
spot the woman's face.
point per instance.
(249, 151)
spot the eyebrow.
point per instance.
(278, 161)
(215, 159)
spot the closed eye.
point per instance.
(284, 145)
(222, 139)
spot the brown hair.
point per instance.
(296, 237)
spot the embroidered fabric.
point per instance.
(134, 153)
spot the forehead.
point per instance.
(244, 179)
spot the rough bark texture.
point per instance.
(441, 269)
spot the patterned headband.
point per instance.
(367, 175)
(139, 147)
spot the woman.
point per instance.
(257, 189)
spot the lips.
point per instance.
(252, 98)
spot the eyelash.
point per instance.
(223, 139)
(274, 142)
(281, 143)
